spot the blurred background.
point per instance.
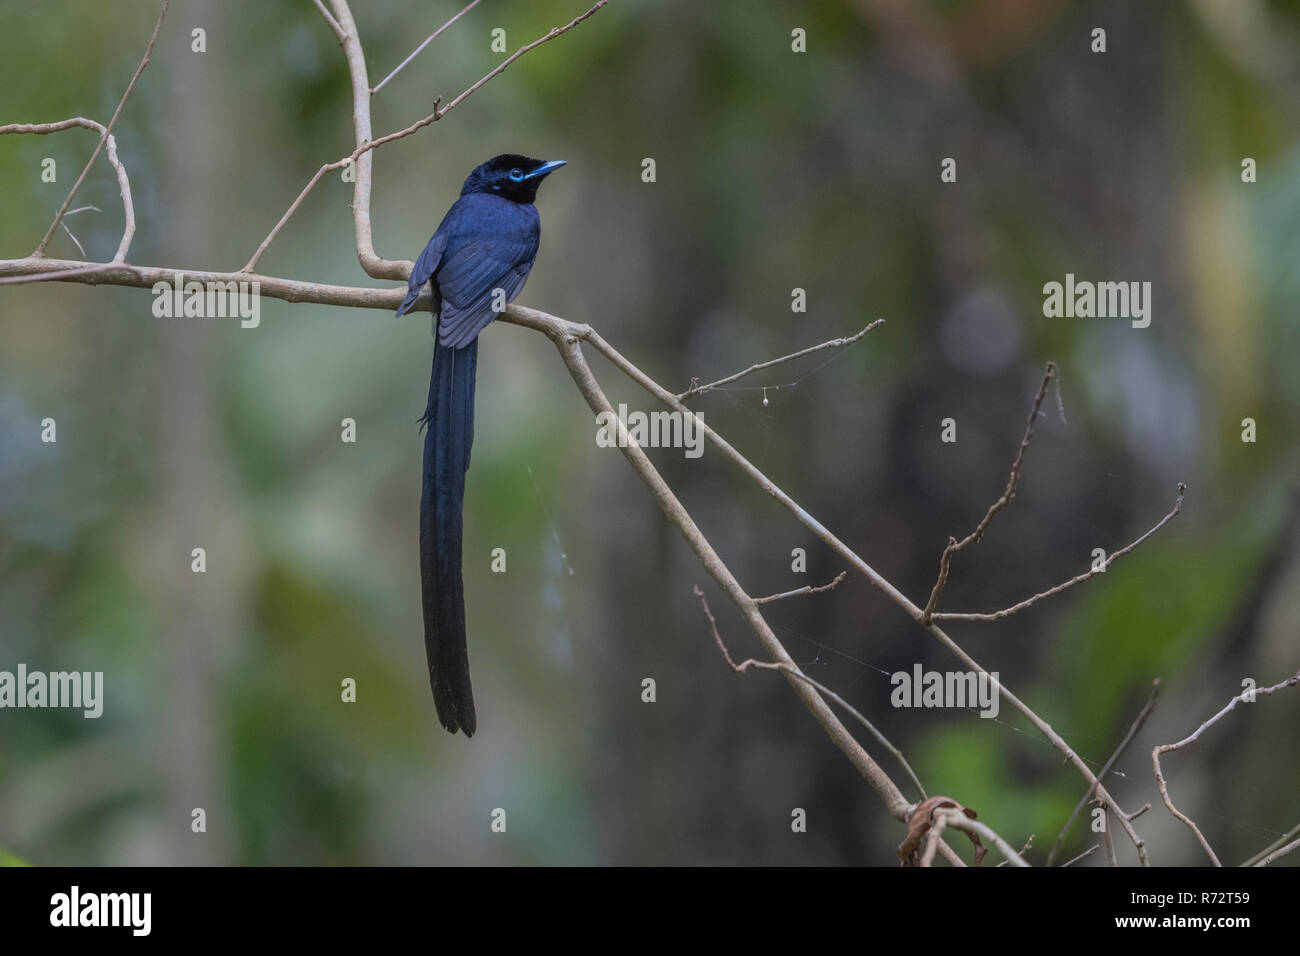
(775, 170)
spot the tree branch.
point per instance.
(806, 589)
(416, 52)
(567, 339)
(329, 18)
(1133, 730)
(832, 344)
(1254, 860)
(1084, 855)
(1008, 494)
(949, 817)
(1077, 579)
(1278, 854)
(1191, 738)
(872, 575)
(105, 139)
(123, 181)
(794, 671)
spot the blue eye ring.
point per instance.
(517, 175)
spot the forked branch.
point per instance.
(1246, 696)
(1008, 493)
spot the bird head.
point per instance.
(510, 176)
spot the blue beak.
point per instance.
(546, 169)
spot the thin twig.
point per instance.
(932, 838)
(793, 671)
(1023, 850)
(1278, 854)
(416, 52)
(1086, 853)
(1008, 493)
(949, 854)
(1133, 730)
(123, 181)
(806, 589)
(959, 821)
(1273, 846)
(75, 240)
(1077, 579)
(1191, 738)
(329, 18)
(104, 139)
(922, 824)
(832, 344)
(1107, 842)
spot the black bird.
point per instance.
(477, 261)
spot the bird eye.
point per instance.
(517, 175)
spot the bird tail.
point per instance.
(449, 421)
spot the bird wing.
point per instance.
(469, 284)
(425, 266)
(497, 255)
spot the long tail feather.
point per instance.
(447, 440)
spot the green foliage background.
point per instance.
(775, 170)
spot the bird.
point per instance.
(476, 262)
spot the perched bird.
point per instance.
(476, 262)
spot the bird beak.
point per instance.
(546, 169)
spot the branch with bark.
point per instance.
(1246, 696)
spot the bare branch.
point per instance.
(1247, 696)
(832, 344)
(1077, 579)
(959, 821)
(567, 338)
(922, 824)
(1133, 730)
(123, 182)
(1008, 494)
(293, 207)
(1107, 841)
(1085, 854)
(858, 563)
(794, 671)
(806, 589)
(1023, 850)
(1278, 854)
(329, 18)
(416, 52)
(545, 38)
(75, 240)
(105, 139)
